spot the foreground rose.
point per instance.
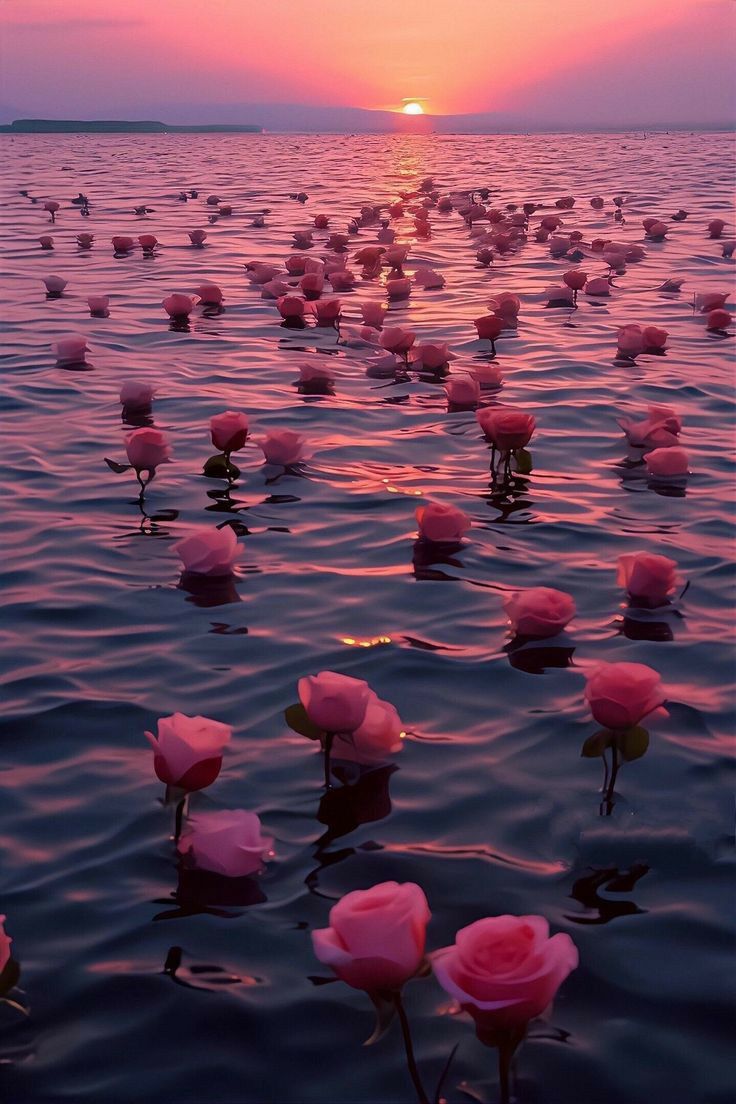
(621, 694)
(147, 448)
(229, 431)
(376, 739)
(438, 522)
(229, 842)
(376, 936)
(506, 428)
(648, 577)
(334, 702)
(187, 752)
(539, 611)
(505, 970)
(208, 551)
(5, 942)
(283, 446)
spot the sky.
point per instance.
(586, 63)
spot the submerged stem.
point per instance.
(179, 818)
(329, 737)
(409, 1048)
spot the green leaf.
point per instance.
(298, 721)
(633, 743)
(217, 468)
(117, 468)
(385, 1012)
(523, 461)
(596, 744)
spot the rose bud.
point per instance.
(70, 350)
(575, 279)
(197, 237)
(489, 327)
(327, 311)
(654, 338)
(342, 279)
(208, 551)
(98, 304)
(229, 431)
(707, 301)
(438, 522)
(505, 970)
(396, 339)
(84, 241)
(148, 242)
(487, 375)
(46, 241)
(597, 203)
(432, 355)
(187, 752)
(716, 227)
(648, 577)
(136, 396)
(210, 294)
(630, 340)
(462, 391)
(659, 429)
(228, 842)
(622, 694)
(428, 278)
(147, 448)
(334, 702)
(290, 306)
(718, 320)
(282, 446)
(121, 243)
(539, 611)
(55, 284)
(376, 936)
(373, 314)
(178, 305)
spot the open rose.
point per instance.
(505, 970)
(376, 739)
(228, 842)
(648, 577)
(505, 427)
(539, 611)
(187, 751)
(334, 702)
(621, 694)
(208, 551)
(376, 936)
(439, 522)
(282, 446)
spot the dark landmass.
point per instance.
(121, 126)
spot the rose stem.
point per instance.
(409, 1048)
(615, 763)
(329, 737)
(179, 817)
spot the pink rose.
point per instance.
(505, 427)
(296, 264)
(55, 284)
(208, 551)
(84, 241)
(321, 222)
(648, 577)
(706, 301)
(187, 752)
(70, 350)
(229, 431)
(539, 611)
(179, 305)
(98, 304)
(487, 375)
(463, 391)
(630, 340)
(373, 314)
(148, 242)
(282, 446)
(136, 396)
(376, 739)
(621, 694)
(597, 203)
(121, 243)
(654, 338)
(210, 294)
(334, 702)
(560, 296)
(302, 239)
(290, 306)
(274, 289)
(327, 311)
(197, 237)
(228, 842)
(369, 255)
(396, 339)
(666, 463)
(147, 448)
(316, 373)
(656, 230)
(428, 278)
(395, 255)
(660, 428)
(716, 227)
(506, 305)
(5, 942)
(342, 279)
(261, 273)
(599, 285)
(432, 354)
(489, 327)
(438, 522)
(338, 242)
(46, 241)
(400, 288)
(505, 970)
(575, 279)
(718, 320)
(376, 936)
(312, 284)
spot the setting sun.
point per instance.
(413, 108)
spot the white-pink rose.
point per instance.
(440, 522)
(147, 448)
(539, 611)
(376, 739)
(622, 694)
(208, 551)
(229, 842)
(187, 751)
(648, 577)
(283, 446)
(334, 702)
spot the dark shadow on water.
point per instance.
(202, 891)
(528, 654)
(208, 591)
(599, 909)
(362, 801)
(427, 553)
(200, 975)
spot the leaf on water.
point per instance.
(385, 1012)
(117, 468)
(596, 744)
(633, 743)
(298, 721)
(523, 461)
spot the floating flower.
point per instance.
(208, 551)
(376, 739)
(98, 304)
(55, 284)
(283, 446)
(229, 431)
(373, 314)
(648, 577)
(197, 237)
(539, 611)
(229, 842)
(396, 339)
(71, 349)
(136, 396)
(620, 695)
(659, 429)
(432, 355)
(333, 702)
(178, 305)
(462, 391)
(506, 428)
(376, 936)
(147, 448)
(667, 463)
(187, 751)
(441, 523)
(210, 294)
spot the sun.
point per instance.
(413, 108)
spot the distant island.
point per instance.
(121, 126)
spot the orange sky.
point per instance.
(458, 55)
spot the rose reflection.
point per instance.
(637, 626)
(207, 591)
(362, 799)
(426, 554)
(203, 891)
(601, 910)
(138, 416)
(634, 478)
(525, 653)
(200, 976)
(150, 524)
